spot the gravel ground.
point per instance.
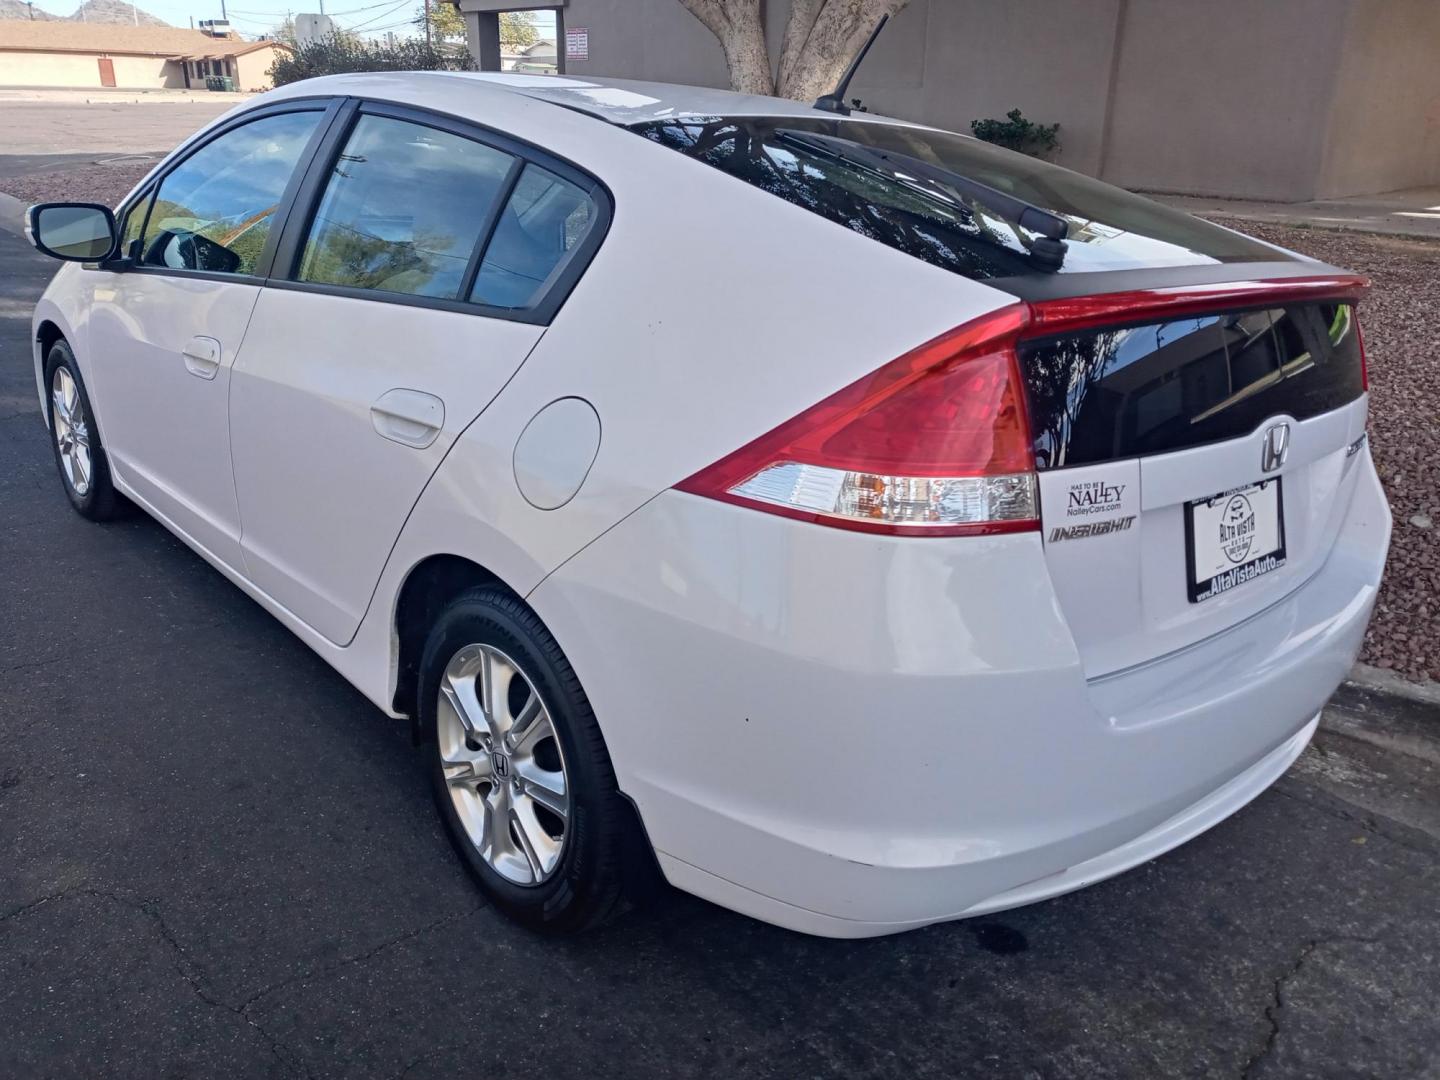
(1401, 320)
(86, 183)
(1401, 317)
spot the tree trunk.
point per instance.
(822, 38)
(738, 27)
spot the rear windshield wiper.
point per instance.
(1047, 251)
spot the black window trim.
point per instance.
(301, 199)
(316, 174)
(328, 107)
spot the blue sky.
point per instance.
(253, 17)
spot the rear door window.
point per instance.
(543, 223)
(404, 209)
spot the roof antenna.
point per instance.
(835, 100)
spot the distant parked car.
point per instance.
(866, 524)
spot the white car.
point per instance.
(877, 526)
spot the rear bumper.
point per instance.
(850, 735)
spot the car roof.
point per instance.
(631, 101)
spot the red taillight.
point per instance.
(933, 444)
(937, 443)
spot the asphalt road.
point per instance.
(217, 860)
(54, 123)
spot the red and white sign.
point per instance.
(577, 43)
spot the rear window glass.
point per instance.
(1106, 394)
(1109, 228)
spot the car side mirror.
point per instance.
(75, 232)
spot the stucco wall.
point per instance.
(145, 71)
(252, 70)
(76, 69)
(949, 62)
(1384, 126)
(1274, 99)
(1228, 97)
(48, 69)
(646, 39)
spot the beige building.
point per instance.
(1267, 99)
(537, 59)
(62, 53)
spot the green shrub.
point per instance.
(1017, 133)
(347, 52)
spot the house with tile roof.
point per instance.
(63, 53)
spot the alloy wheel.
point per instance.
(503, 764)
(72, 433)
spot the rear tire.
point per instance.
(75, 439)
(525, 787)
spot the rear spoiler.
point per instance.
(1274, 274)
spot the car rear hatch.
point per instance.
(1196, 451)
(1196, 397)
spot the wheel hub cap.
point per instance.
(500, 766)
(72, 435)
(503, 764)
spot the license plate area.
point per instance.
(1233, 538)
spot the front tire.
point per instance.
(79, 454)
(520, 771)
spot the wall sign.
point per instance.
(577, 43)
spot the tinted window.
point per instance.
(1110, 229)
(403, 209)
(214, 210)
(544, 220)
(1125, 392)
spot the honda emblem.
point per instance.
(1276, 448)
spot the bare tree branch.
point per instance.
(821, 38)
(797, 32)
(819, 55)
(712, 13)
(738, 27)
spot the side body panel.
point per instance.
(66, 305)
(323, 492)
(166, 426)
(690, 333)
(702, 322)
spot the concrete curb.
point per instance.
(1378, 707)
(1362, 228)
(1379, 681)
(1369, 217)
(12, 214)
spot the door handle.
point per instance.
(202, 356)
(408, 417)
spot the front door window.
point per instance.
(214, 210)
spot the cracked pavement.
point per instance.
(216, 859)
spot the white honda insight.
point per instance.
(877, 526)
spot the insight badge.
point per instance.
(1091, 528)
